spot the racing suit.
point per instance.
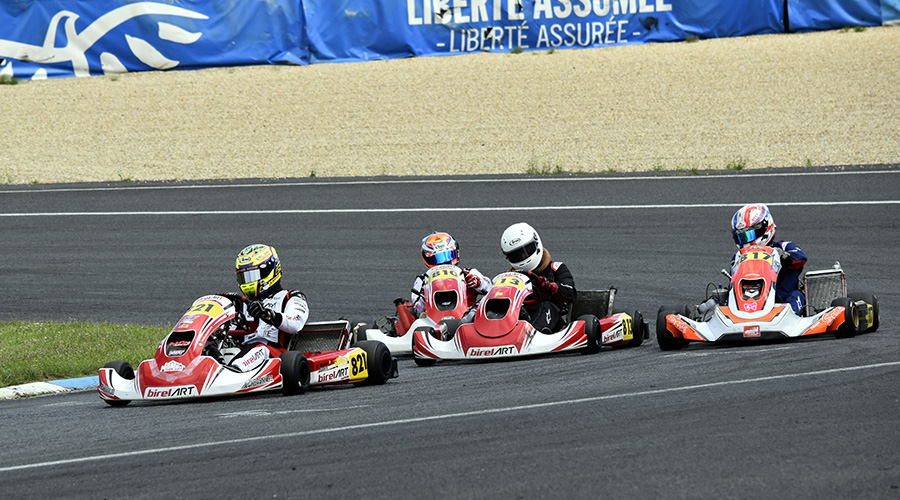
(548, 304)
(787, 285)
(263, 340)
(472, 293)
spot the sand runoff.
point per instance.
(826, 98)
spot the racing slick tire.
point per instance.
(665, 339)
(850, 327)
(294, 373)
(592, 330)
(379, 363)
(872, 300)
(124, 370)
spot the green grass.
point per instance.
(516, 50)
(692, 39)
(544, 168)
(8, 80)
(34, 352)
(738, 164)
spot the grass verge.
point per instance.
(34, 352)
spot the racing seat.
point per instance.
(596, 302)
(320, 336)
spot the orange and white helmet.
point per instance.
(439, 248)
(753, 224)
(258, 269)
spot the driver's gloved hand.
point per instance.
(783, 255)
(263, 313)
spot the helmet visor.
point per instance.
(747, 236)
(521, 253)
(248, 276)
(438, 258)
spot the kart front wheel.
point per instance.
(379, 363)
(294, 373)
(666, 340)
(124, 370)
(871, 300)
(850, 327)
(592, 330)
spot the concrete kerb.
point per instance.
(51, 387)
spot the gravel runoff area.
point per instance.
(826, 98)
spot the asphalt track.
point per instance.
(810, 419)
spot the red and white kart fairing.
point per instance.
(445, 295)
(499, 330)
(747, 311)
(183, 367)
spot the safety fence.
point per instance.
(57, 38)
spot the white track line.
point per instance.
(447, 416)
(388, 182)
(447, 209)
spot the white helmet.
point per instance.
(521, 245)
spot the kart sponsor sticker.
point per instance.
(170, 392)
(750, 306)
(172, 366)
(751, 331)
(613, 334)
(107, 389)
(333, 374)
(256, 382)
(832, 315)
(484, 352)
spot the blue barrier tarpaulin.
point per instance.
(50, 38)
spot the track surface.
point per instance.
(809, 419)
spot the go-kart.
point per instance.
(501, 328)
(747, 309)
(444, 294)
(192, 360)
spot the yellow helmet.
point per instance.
(258, 269)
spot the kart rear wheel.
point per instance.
(850, 327)
(379, 363)
(872, 300)
(666, 340)
(592, 330)
(294, 373)
(124, 370)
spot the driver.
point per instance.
(438, 249)
(754, 225)
(554, 286)
(271, 311)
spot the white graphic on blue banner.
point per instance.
(77, 44)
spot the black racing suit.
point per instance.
(547, 309)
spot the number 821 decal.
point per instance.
(358, 365)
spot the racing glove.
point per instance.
(263, 313)
(472, 281)
(785, 256)
(544, 284)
